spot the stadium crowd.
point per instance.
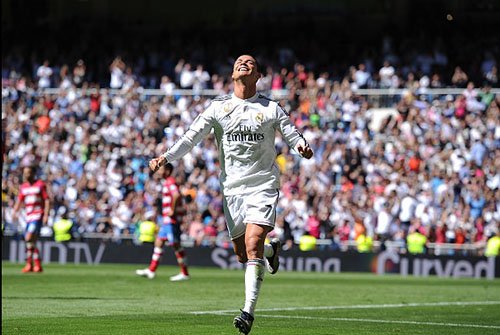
(431, 164)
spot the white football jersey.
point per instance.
(245, 134)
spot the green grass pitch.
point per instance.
(111, 299)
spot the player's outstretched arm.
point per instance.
(200, 128)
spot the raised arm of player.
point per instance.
(291, 135)
(200, 128)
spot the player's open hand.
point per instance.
(156, 163)
(305, 151)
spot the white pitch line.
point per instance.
(309, 308)
(445, 324)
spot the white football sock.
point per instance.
(254, 275)
(268, 250)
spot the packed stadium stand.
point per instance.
(418, 152)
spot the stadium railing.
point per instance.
(275, 94)
(377, 97)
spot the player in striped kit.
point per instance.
(170, 230)
(33, 195)
(244, 125)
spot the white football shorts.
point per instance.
(257, 207)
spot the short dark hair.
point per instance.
(169, 166)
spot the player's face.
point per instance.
(245, 66)
(28, 173)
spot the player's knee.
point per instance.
(252, 243)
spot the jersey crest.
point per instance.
(227, 107)
(259, 117)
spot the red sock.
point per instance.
(155, 259)
(36, 258)
(180, 254)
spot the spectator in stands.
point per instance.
(201, 78)
(64, 80)
(471, 99)
(117, 69)
(166, 85)
(459, 78)
(442, 133)
(129, 79)
(361, 76)
(476, 201)
(436, 81)
(407, 212)
(196, 229)
(44, 74)
(492, 76)
(79, 73)
(488, 63)
(187, 77)
(384, 220)
(386, 73)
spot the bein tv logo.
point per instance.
(441, 267)
(50, 251)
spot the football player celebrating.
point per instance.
(244, 124)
